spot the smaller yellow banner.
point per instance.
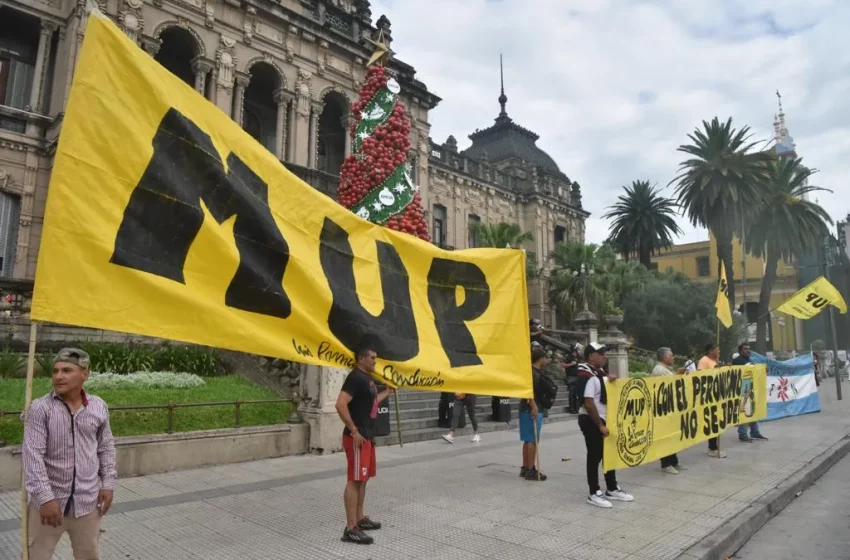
(812, 299)
(724, 313)
(653, 417)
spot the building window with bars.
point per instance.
(474, 224)
(703, 267)
(9, 215)
(439, 233)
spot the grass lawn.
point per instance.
(137, 422)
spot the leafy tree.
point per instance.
(721, 183)
(786, 225)
(643, 222)
(503, 235)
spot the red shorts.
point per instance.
(361, 462)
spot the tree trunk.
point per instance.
(645, 258)
(764, 301)
(724, 253)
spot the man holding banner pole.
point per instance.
(591, 420)
(742, 359)
(710, 361)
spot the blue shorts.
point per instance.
(526, 427)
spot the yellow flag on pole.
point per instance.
(812, 299)
(724, 313)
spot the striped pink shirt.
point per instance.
(68, 454)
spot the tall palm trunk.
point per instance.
(724, 254)
(645, 257)
(764, 300)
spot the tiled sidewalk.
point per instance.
(460, 501)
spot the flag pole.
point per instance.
(397, 418)
(25, 553)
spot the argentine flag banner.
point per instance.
(791, 386)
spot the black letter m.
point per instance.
(164, 216)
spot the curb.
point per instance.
(727, 539)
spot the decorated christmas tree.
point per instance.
(375, 180)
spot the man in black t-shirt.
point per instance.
(530, 416)
(357, 406)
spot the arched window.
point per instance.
(331, 141)
(176, 52)
(260, 115)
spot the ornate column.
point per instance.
(281, 99)
(299, 147)
(347, 120)
(47, 29)
(313, 153)
(225, 62)
(200, 67)
(242, 81)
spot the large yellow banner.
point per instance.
(165, 218)
(653, 417)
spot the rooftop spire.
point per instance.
(784, 142)
(503, 99)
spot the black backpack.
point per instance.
(548, 391)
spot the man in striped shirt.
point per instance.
(69, 462)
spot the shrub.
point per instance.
(124, 359)
(146, 379)
(12, 364)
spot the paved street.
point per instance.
(813, 527)
(452, 501)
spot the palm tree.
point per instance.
(500, 235)
(643, 222)
(721, 183)
(578, 278)
(504, 235)
(785, 226)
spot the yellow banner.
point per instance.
(165, 218)
(812, 299)
(724, 313)
(653, 417)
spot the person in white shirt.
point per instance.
(591, 420)
(669, 464)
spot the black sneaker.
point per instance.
(745, 439)
(759, 437)
(522, 472)
(368, 525)
(532, 475)
(356, 535)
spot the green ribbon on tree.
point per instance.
(376, 113)
(387, 199)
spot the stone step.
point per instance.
(425, 434)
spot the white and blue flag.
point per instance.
(791, 386)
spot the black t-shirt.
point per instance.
(364, 402)
(571, 371)
(740, 360)
(524, 406)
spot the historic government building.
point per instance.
(288, 71)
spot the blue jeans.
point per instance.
(754, 430)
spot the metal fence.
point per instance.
(172, 407)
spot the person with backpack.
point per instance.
(530, 415)
(591, 420)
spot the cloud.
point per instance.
(614, 87)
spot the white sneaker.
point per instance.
(670, 470)
(476, 438)
(717, 454)
(449, 438)
(598, 500)
(620, 495)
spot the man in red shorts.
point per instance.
(357, 406)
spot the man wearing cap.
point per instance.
(591, 420)
(68, 459)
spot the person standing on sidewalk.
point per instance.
(591, 420)
(669, 464)
(710, 361)
(530, 415)
(570, 365)
(357, 406)
(743, 359)
(68, 459)
(463, 400)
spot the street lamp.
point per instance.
(583, 274)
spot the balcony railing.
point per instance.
(322, 181)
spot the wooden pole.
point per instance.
(397, 418)
(536, 447)
(25, 552)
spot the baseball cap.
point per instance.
(594, 347)
(73, 356)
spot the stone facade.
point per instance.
(288, 71)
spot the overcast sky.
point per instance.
(613, 87)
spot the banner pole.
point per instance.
(25, 552)
(536, 447)
(834, 340)
(397, 418)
